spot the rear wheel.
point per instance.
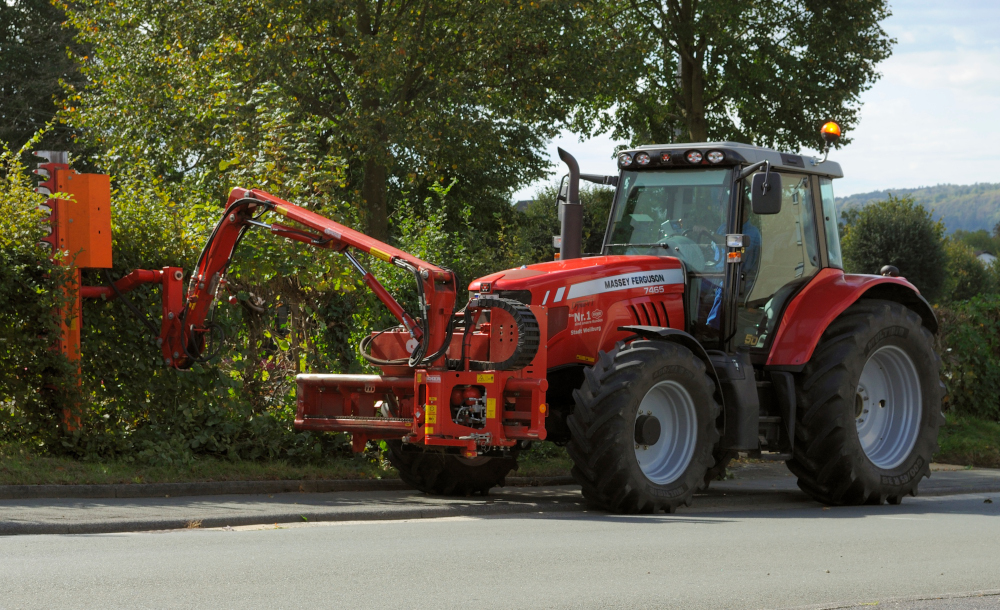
(643, 428)
(447, 474)
(869, 407)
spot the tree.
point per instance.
(978, 240)
(403, 93)
(899, 232)
(966, 275)
(33, 61)
(767, 72)
(540, 221)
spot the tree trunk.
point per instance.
(374, 192)
(692, 73)
(692, 95)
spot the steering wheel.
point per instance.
(685, 249)
(706, 240)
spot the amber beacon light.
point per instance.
(830, 132)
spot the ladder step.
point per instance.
(775, 457)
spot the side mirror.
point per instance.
(766, 200)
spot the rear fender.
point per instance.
(818, 304)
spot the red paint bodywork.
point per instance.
(581, 326)
(812, 310)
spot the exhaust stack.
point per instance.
(572, 212)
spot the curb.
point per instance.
(395, 514)
(220, 488)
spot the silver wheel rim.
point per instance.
(888, 407)
(666, 460)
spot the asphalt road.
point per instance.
(756, 486)
(798, 555)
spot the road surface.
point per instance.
(794, 555)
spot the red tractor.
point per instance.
(716, 319)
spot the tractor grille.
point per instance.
(649, 313)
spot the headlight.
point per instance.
(694, 157)
(624, 160)
(715, 156)
(642, 158)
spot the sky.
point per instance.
(933, 117)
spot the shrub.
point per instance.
(966, 276)
(898, 232)
(35, 380)
(540, 221)
(969, 344)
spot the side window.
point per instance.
(782, 248)
(830, 222)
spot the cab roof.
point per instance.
(664, 156)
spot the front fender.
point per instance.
(825, 297)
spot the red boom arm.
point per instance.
(436, 286)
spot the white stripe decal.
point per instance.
(624, 282)
(559, 294)
(546, 299)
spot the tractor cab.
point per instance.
(742, 261)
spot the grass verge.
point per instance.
(969, 441)
(19, 466)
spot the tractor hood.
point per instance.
(558, 282)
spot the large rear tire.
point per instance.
(643, 428)
(869, 407)
(445, 474)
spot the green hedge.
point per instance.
(969, 344)
(300, 310)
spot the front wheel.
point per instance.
(869, 407)
(445, 474)
(643, 428)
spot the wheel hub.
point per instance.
(647, 430)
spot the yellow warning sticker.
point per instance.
(420, 377)
(583, 358)
(484, 378)
(491, 408)
(432, 399)
(432, 414)
(380, 254)
(428, 430)
(281, 210)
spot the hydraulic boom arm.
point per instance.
(436, 287)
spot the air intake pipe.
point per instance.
(572, 212)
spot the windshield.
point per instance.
(678, 213)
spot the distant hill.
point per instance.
(968, 207)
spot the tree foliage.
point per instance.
(401, 93)
(969, 344)
(898, 232)
(34, 59)
(966, 276)
(767, 72)
(540, 221)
